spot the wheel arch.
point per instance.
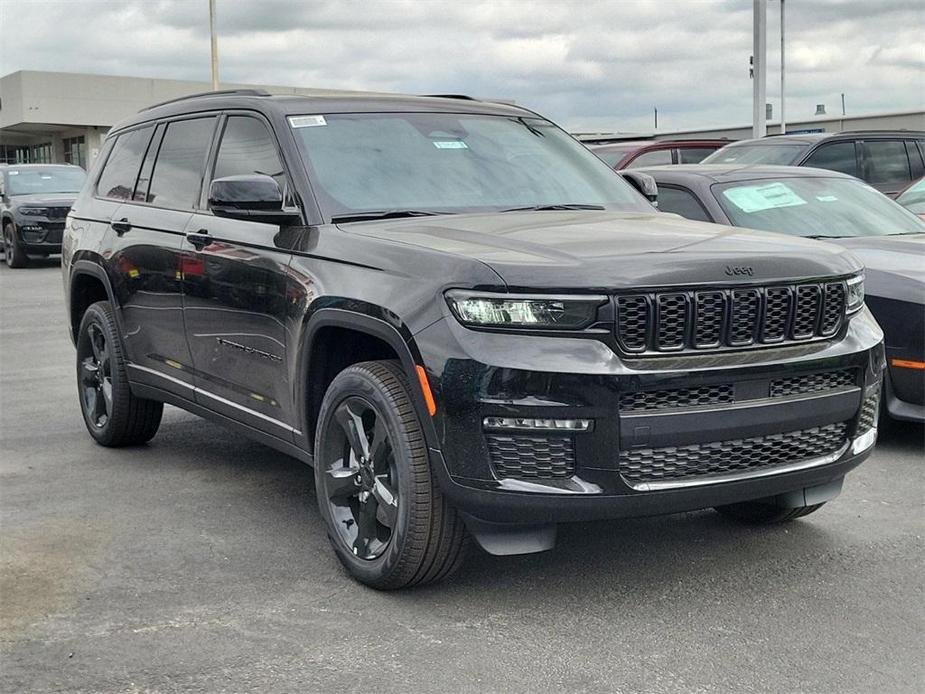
(374, 338)
(88, 284)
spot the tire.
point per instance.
(13, 253)
(385, 515)
(114, 417)
(760, 513)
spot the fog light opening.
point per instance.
(536, 424)
(864, 441)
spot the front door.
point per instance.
(235, 295)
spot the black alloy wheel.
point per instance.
(96, 378)
(361, 484)
(13, 254)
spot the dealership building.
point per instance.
(61, 117)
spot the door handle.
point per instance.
(121, 226)
(199, 239)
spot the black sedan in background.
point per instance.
(827, 205)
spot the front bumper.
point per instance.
(707, 431)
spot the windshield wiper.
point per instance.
(382, 214)
(824, 236)
(567, 206)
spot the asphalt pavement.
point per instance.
(199, 563)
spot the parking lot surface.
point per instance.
(199, 563)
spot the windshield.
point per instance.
(50, 179)
(914, 197)
(783, 154)
(818, 207)
(451, 163)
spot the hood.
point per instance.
(604, 250)
(44, 199)
(894, 266)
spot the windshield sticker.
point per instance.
(826, 198)
(306, 121)
(450, 144)
(765, 197)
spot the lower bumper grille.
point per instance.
(718, 458)
(532, 457)
(869, 411)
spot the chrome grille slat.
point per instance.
(673, 321)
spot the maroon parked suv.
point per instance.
(630, 155)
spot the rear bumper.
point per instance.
(709, 431)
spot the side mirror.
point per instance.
(644, 183)
(255, 198)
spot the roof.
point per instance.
(727, 173)
(658, 144)
(287, 104)
(810, 138)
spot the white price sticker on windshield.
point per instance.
(763, 197)
(307, 121)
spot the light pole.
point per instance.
(759, 57)
(783, 113)
(214, 40)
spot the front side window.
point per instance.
(683, 202)
(837, 156)
(44, 179)
(117, 180)
(451, 163)
(782, 154)
(656, 157)
(887, 162)
(177, 177)
(247, 148)
(816, 207)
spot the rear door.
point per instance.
(886, 165)
(236, 305)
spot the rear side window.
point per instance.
(177, 177)
(117, 180)
(653, 158)
(887, 163)
(248, 148)
(838, 156)
(683, 202)
(694, 155)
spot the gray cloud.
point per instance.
(585, 64)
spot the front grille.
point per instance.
(811, 383)
(532, 457)
(724, 457)
(869, 412)
(673, 321)
(678, 397)
(58, 212)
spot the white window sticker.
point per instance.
(306, 121)
(826, 198)
(450, 144)
(764, 197)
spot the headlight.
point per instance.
(33, 211)
(855, 298)
(512, 311)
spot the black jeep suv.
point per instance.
(34, 200)
(463, 320)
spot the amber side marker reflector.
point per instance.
(425, 388)
(908, 363)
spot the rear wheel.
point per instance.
(114, 417)
(759, 513)
(385, 515)
(13, 253)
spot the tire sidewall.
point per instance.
(97, 315)
(358, 383)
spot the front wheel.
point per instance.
(13, 253)
(385, 515)
(760, 513)
(114, 417)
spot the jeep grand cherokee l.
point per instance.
(34, 200)
(463, 320)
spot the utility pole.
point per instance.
(783, 113)
(759, 57)
(214, 39)
(656, 118)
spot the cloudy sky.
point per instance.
(587, 65)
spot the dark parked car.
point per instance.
(887, 159)
(823, 204)
(463, 320)
(631, 155)
(913, 197)
(34, 201)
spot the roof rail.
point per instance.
(464, 97)
(220, 92)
